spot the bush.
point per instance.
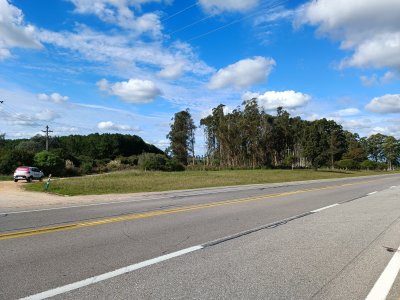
(114, 165)
(130, 160)
(369, 165)
(152, 162)
(86, 167)
(348, 164)
(174, 165)
(49, 162)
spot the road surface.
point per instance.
(328, 239)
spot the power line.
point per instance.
(273, 5)
(191, 24)
(179, 12)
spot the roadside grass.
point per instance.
(135, 181)
(6, 177)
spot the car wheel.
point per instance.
(15, 180)
(29, 179)
(41, 179)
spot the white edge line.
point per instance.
(372, 193)
(325, 207)
(105, 276)
(393, 186)
(383, 285)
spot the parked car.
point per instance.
(28, 174)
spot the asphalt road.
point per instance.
(336, 253)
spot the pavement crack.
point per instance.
(246, 232)
(390, 249)
(354, 259)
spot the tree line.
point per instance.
(76, 154)
(248, 137)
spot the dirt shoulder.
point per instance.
(13, 196)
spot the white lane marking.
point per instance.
(105, 276)
(393, 186)
(372, 193)
(323, 208)
(382, 287)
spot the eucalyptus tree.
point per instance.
(391, 150)
(182, 136)
(375, 147)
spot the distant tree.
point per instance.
(182, 136)
(49, 163)
(375, 147)
(2, 139)
(14, 158)
(391, 150)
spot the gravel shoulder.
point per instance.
(13, 196)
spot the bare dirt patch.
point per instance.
(13, 196)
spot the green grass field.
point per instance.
(6, 177)
(139, 181)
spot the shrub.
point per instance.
(348, 164)
(114, 165)
(369, 165)
(174, 165)
(152, 162)
(86, 167)
(49, 162)
(130, 160)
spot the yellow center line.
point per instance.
(155, 213)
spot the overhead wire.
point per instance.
(273, 5)
(191, 24)
(179, 12)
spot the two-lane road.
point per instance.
(45, 249)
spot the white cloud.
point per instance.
(271, 100)
(46, 115)
(125, 52)
(119, 12)
(108, 125)
(273, 14)
(243, 73)
(376, 80)
(132, 91)
(218, 6)
(389, 103)
(172, 71)
(356, 125)
(371, 28)
(13, 31)
(347, 112)
(55, 98)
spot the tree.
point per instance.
(49, 163)
(375, 147)
(182, 136)
(391, 150)
(14, 158)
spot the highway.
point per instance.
(327, 239)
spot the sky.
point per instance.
(127, 66)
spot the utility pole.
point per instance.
(47, 136)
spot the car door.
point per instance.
(35, 173)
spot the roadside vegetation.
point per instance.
(5, 178)
(246, 145)
(135, 181)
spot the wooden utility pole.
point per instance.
(47, 136)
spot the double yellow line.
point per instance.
(155, 213)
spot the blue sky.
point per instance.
(83, 66)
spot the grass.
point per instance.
(6, 177)
(138, 181)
